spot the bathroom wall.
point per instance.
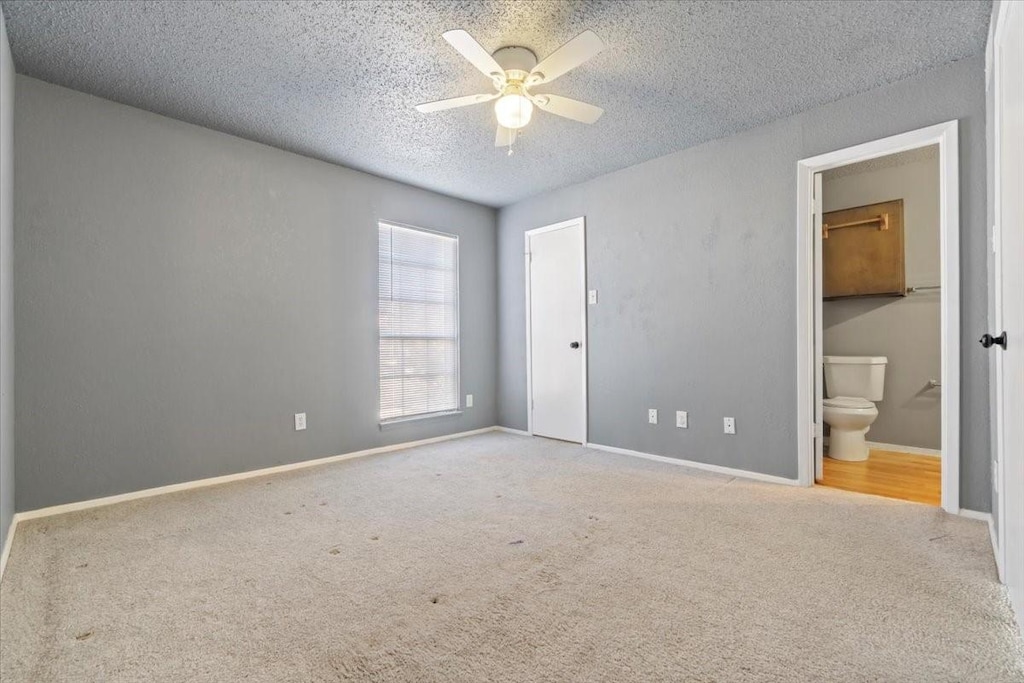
(904, 329)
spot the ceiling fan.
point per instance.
(513, 72)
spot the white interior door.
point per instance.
(556, 281)
(819, 370)
(1009, 276)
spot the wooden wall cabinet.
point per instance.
(862, 251)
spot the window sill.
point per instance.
(384, 424)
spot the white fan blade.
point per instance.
(475, 53)
(568, 107)
(568, 57)
(463, 101)
(505, 137)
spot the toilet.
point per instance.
(852, 385)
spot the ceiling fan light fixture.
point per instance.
(513, 70)
(513, 109)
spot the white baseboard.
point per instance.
(509, 430)
(6, 552)
(995, 548)
(717, 469)
(213, 481)
(974, 514)
(987, 518)
(913, 450)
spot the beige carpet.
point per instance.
(503, 558)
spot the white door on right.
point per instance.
(556, 268)
(1007, 340)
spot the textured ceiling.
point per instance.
(338, 80)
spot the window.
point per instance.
(419, 322)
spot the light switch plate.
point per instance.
(300, 421)
(652, 416)
(469, 400)
(592, 297)
(729, 425)
(681, 419)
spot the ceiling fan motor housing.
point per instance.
(516, 61)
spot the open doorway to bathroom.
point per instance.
(881, 326)
(887, 248)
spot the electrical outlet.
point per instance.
(300, 421)
(592, 297)
(652, 416)
(681, 419)
(469, 400)
(729, 425)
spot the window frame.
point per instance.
(457, 410)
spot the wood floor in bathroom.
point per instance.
(905, 476)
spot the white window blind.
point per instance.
(419, 322)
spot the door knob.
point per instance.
(987, 340)
(574, 345)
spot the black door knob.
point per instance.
(987, 340)
(574, 345)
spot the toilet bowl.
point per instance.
(849, 419)
(852, 384)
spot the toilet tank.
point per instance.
(855, 376)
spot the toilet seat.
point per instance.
(847, 402)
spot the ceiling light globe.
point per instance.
(513, 111)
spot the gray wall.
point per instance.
(6, 280)
(694, 255)
(181, 293)
(905, 330)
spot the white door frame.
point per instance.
(808, 290)
(573, 222)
